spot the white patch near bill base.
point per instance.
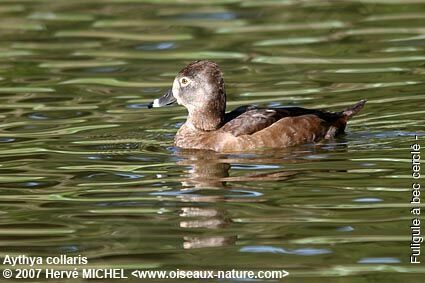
(176, 91)
(156, 103)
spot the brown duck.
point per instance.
(200, 88)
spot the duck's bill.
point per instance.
(166, 99)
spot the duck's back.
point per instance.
(283, 127)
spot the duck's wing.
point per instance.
(237, 111)
(251, 121)
(246, 121)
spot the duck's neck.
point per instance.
(209, 115)
(205, 120)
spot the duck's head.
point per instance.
(200, 88)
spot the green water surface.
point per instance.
(86, 169)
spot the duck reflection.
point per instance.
(209, 172)
(210, 180)
(208, 169)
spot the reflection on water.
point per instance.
(87, 169)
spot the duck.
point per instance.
(199, 87)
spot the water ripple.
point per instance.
(123, 35)
(303, 60)
(114, 82)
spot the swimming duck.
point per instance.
(200, 88)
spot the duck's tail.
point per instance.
(339, 126)
(354, 109)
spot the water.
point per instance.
(87, 169)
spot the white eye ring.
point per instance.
(184, 81)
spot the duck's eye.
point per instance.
(184, 81)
